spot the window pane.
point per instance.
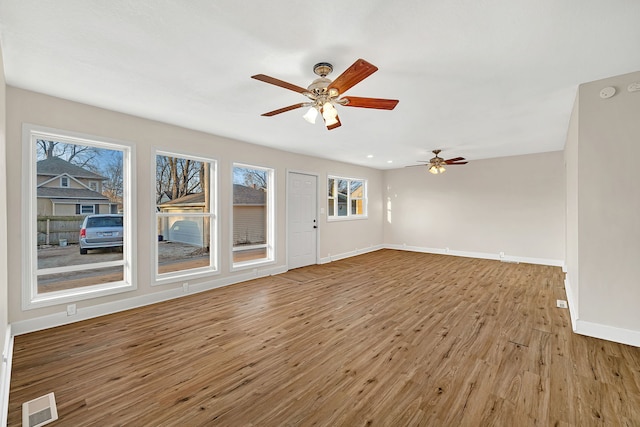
(330, 187)
(343, 185)
(79, 279)
(64, 237)
(184, 206)
(182, 243)
(356, 207)
(349, 198)
(250, 213)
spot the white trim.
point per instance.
(355, 252)
(214, 221)
(61, 318)
(573, 303)
(481, 255)
(5, 376)
(349, 215)
(609, 333)
(30, 297)
(271, 231)
(597, 330)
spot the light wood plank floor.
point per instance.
(388, 338)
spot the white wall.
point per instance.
(608, 221)
(571, 220)
(4, 322)
(29, 107)
(514, 205)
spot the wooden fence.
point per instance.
(53, 229)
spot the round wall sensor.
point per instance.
(607, 92)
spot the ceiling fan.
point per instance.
(436, 164)
(325, 94)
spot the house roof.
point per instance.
(242, 195)
(70, 193)
(196, 199)
(54, 166)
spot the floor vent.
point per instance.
(40, 411)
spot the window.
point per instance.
(87, 209)
(185, 215)
(253, 215)
(68, 261)
(93, 185)
(346, 198)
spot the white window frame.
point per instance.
(271, 227)
(334, 199)
(31, 299)
(212, 268)
(63, 180)
(95, 184)
(82, 212)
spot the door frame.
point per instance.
(301, 172)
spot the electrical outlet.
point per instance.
(71, 309)
(501, 254)
(185, 287)
(560, 303)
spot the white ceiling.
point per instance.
(477, 78)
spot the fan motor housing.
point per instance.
(323, 69)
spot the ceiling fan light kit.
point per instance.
(324, 94)
(437, 163)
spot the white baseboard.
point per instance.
(573, 303)
(481, 255)
(597, 330)
(355, 252)
(61, 318)
(5, 376)
(609, 333)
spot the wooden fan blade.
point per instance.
(455, 159)
(284, 109)
(353, 75)
(378, 103)
(281, 83)
(335, 125)
(456, 163)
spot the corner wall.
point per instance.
(513, 205)
(608, 202)
(5, 339)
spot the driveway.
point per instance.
(172, 256)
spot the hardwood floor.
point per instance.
(388, 338)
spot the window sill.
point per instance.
(177, 276)
(346, 218)
(69, 296)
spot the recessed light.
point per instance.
(370, 156)
(389, 161)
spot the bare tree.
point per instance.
(178, 177)
(113, 186)
(255, 178)
(80, 155)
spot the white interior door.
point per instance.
(302, 225)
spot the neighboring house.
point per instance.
(249, 215)
(65, 189)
